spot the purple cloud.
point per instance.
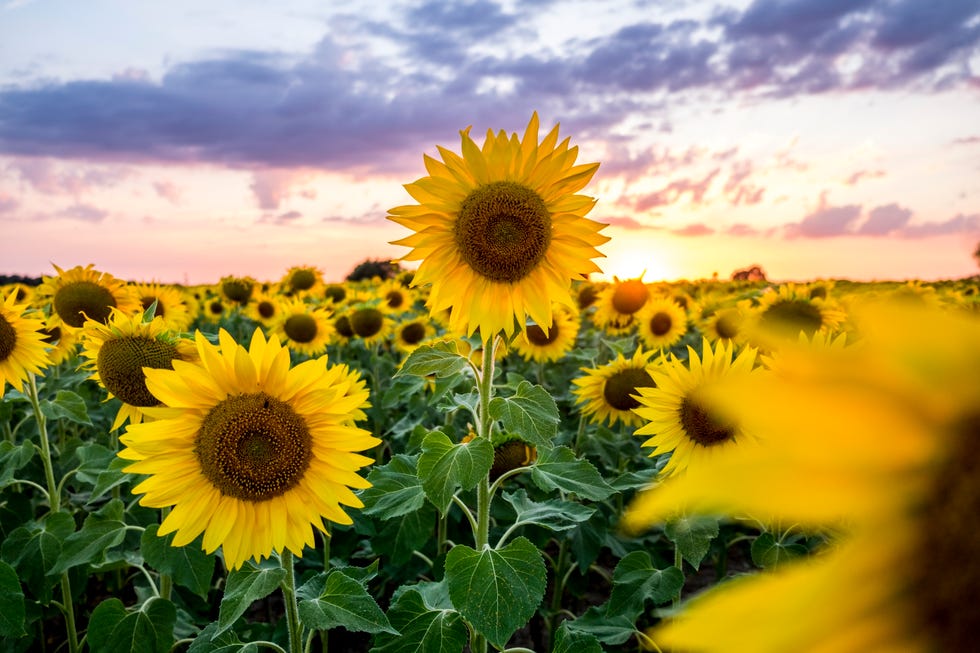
(675, 192)
(826, 222)
(82, 212)
(167, 190)
(883, 220)
(8, 204)
(959, 224)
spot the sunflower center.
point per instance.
(342, 324)
(147, 302)
(8, 338)
(253, 447)
(216, 308)
(701, 427)
(266, 309)
(726, 326)
(538, 336)
(818, 292)
(660, 324)
(945, 571)
(792, 316)
(622, 385)
(237, 290)
(87, 297)
(300, 328)
(366, 322)
(413, 333)
(630, 296)
(587, 296)
(511, 455)
(302, 279)
(395, 299)
(503, 231)
(336, 293)
(121, 361)
(51, 336)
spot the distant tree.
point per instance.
(976, 254)
(16, 278)
(752, 273)
(371, 268)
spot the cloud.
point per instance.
(826, 222)
(863, 174)
(8, 204)
(82, 212)
(51, 178)
(883, 220)
(289, 217)
(675, 191)
(959, 224)
(167, 190)
(624, 222)
(741, 229)
(272, 186)
(696, 229)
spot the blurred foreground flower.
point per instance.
(877, 443)
(21, 345)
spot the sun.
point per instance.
(641, 260)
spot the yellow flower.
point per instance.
(304, 329)
(248, 451)
(21, 346)
(549, 344)
(302, 280)
(618, 304)
(790, 309)
(499, 231)
(83, 293)
(675, 414)
(170, 304)
(369, 322)
(608, 393)
(412, 332)
(877, 443)
(237, 290)
(118, 352)
(264, 309)
(662, 323)
(396, 297)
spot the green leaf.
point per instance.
(210, 641)
(692, 535)
(12, 458)
(395, 489)
(66, 405)
(109, 478)
(112, 629)
(245, 585)
(530, 412)
(569, 641)
(33, 549)
(12, 608)
(608, 630)
(769, 553)
(189, 566)
(636, 580)
(89, 545)
(440, 358)
(443, 466)
(559, 469)
(408, 533)
(344, 602)
(554, 514)
(497, 591)
(423, 629)
(94, 459)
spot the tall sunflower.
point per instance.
(544, 344)
(118, 352)
(608, 393)
(499, 231)
(881, 438)
(661, 323)
(304, 329)
(676, 415)
(82, 293)
(249, 451)
(21, 344)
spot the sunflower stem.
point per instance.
(54, 502)
(679, 563)
(324, 634)
(288, 585)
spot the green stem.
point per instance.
(54, 502)
(292, 607)
(166, 580)
(324, 634)
(679, 563)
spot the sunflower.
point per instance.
(500, 232)
(82, 293)
(662, 322)
(249, 451)
(369, 322)
(336, 293)
(726, 324)
(264, 309)
(303, 328)
(608, 393)
(170, 304)
(618, 304)
(395, 296)
(788, 310)
(118, 352)
(237, 290)
(21, 346)
(62, 344)
(302, 280)
(675, 415)
(411, 332)
(887, 447)
(549, 344)
(214, 308)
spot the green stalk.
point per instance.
(326, 567)
(288, 585)
(54, 501)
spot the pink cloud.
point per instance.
(697, 229)
(272, 186)
(863, 174)
(50, 179)
(167, 190)
(623, 222)
(826, 222)
(675, 191)
(883, 220)
(7, 203)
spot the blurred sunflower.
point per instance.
(536, 343)
(725, 324)
(675, 415)
(248, 451)
(661, 323)
(335, 293)
(618, 305)
(608, 393)
(788, 310)
(62, 344)
(411, 332)
(303, 328)
(888, 447)
(586, 294)
(83, 293)
(118, 352)
(395, 296)
(302, 280)
(369, 322)
(21, 345)
(264, 309)
(214, 308)
(170, 304)
(499, 231)
(237, 290)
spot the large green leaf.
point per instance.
(440, 358)
(530, 412)
(245, 585)
(33, 549)
(66, 405)
(12, 458)
(113, 629)
(553, 514)
(189, 566)
(444, 466)
(613, 630)
(423, 627)
(692, 536)
(344, 602)
(636, 580)
(769, 552)
(395, 489)
(559, 469)
(209, 641)
(569, 641)
(89, 545)
(496, 590)
(12, 609)
(408, 533)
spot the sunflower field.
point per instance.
(489, 452)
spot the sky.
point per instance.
(184, 141)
